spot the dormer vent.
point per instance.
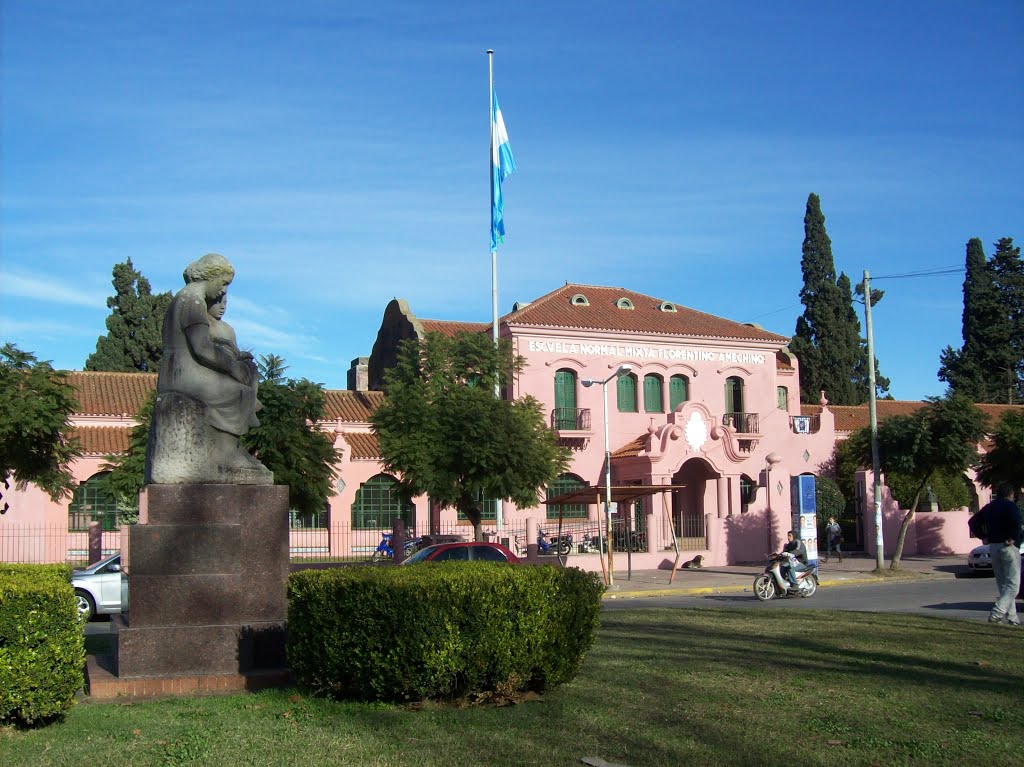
(579, 300)
(624, 303)
(520, 305)
(667, 306)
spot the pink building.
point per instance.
(708, 408)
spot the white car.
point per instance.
(99, 588)
(979, 558)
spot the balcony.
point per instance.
(743, 423)
(570, 419)
(572, 426)
(805, 424)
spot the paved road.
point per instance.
(966, 598)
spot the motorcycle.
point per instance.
(560, 545)
(384, 551)
(772, 583)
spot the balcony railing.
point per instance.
(743, 423)
(805, 424)
(570, 419)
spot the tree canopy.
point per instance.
(942, 436)
(827, 341)
(443, 432)
(36, 403)
(133, 342)
(989, 366)
(1004, 462)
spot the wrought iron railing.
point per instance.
(570, 419)
(743, 423)
(805, 424)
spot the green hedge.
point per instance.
(439, 631)
(42, 645)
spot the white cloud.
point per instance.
(47, 289)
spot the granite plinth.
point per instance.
(207, 578)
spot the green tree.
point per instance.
(442, 431)
(827, 341)
(127, 470)
(288, 441)
(941, 436)
(134, 328)
(1004, 462)
(36, 403)
(989, 366)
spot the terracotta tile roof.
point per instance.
(631, 448)
(102, 440)
(364, 446)
(450, 327)
(849, 418)
(111, 394)
(782, 362)
(352, 406)
(601, 313)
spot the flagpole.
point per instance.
(498, 516)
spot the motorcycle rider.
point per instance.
(797, 561)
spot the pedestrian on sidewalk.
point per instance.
(834, 537)
(1001, 520)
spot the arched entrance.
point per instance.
(688, 504)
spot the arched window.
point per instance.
(565, 399)
(678, 391)
(488, 511)
(378, 502)
(748, 492)
(566, 483)
(625, 389)
(782, 397)
(653, 401)
(91, 504)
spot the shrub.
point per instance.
(950, 490)
(439, 631)
(42, 645)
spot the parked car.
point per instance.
(979, 559)
(99, 587)
(466, 551)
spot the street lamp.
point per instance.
(588, 382)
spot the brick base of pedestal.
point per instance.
(207, 604)
(103, 684)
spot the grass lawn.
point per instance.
(661, 687)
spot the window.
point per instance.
(487, 554)
(625, 388)
(734, 394)
(456, 554)
(488, 511)
(748, 491)
(653, 402)
(378, 502)
(566, 483)
(91, 504)
(565, 399)
(782, 397)
(678, 391)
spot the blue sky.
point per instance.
(336, 153)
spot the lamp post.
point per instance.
(588, 382)
(770, 460)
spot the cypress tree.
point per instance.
(133, 342)
(989, 367)
(832, 354)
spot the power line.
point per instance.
(926, 273)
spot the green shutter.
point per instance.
(653, 402)
(565, 399)
(677, 391)
(626, 393)
(566, 483)
(378, 502)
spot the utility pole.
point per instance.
(873, 416)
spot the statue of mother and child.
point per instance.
(206, 389)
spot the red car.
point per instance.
(469, 551)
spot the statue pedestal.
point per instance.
(207, 594)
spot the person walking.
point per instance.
(834, 538)
(1001, 520)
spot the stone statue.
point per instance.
(206, 390)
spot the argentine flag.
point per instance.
(502, 166)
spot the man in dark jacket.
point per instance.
(1001, 520)
(798, 560)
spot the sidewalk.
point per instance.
(738, 578)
